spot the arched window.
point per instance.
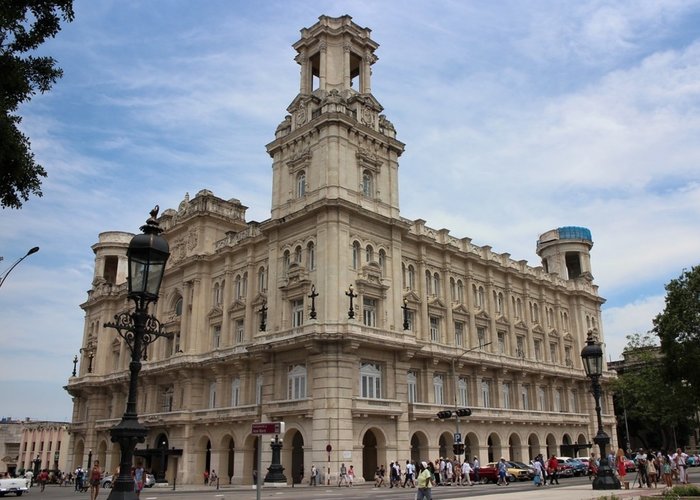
(311, 256)
(238, 283)
(411, 278)
(355, 255)
(369, 254)
(297, 255)
(286, 260)
(428, 283)
(498, 298)
(460, 292)
(367, 183)
(178, 306)
(403, 275)
(453, 290)
(436, 284)
(217, 295)
(382, 260)
(262, 280)
(463, 392)
(244, 284)
(301, 184)
(212, 395)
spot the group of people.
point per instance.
(545, 470)
(444, 472)
(652, 467)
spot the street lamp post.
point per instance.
(592, 356)
(75, 364)
(275, 473)
(147, 255)
(352, 295)
(89, 350)
(460, 411)
(4, 276)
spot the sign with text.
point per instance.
(260, 428)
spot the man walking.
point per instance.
(343, 477)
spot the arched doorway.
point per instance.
(551, 445)
(369, 455)
(230, 460)
(533, 446)
(445, 445)
(419, 447)
(297, 458)
(583, 447)
(567, 449)
(471, 446)
(494, 444)
(514, 448)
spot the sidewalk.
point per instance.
(578, 492)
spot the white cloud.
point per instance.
(634, 317)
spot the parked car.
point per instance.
(150, 481)
(489, 474)
(629, 465)
(16, 485)
(529, 471)
(106, 481)
(580, 468)
(493, 466)
(564, 468)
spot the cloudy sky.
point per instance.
(518, 117)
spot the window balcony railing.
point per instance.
(365, 407)
(290, 407)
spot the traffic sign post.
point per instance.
(260, 429)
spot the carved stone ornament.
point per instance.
(192, 239)
(367, 116)
(300, 115)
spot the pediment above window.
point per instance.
(297, 280)
(437, 302)
(368, 160)
(554, 333)
(299, 161)
(460, 309)
(568, 337)
(482, 315)
(412, 297)
(237, 305)
(520, 324)
(502, 320)
(215, 312)
(537, 329)
(371, 279)
(259, 299)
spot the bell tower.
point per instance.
(335, 144)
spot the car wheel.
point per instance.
(484, 480)
(107, 484)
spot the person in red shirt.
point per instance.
(552, 469)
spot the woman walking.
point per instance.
(95, 476)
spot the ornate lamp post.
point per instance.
(263, 317)
(89, 350)
(592, 356)
(147, 255)
(405, 314)
(4, 276)
(75, 364)
(352, 295)
(313, 296)
(275, 472)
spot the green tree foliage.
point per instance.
(678, 328)
(656, 408)
(24, 26)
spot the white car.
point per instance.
(17, 485)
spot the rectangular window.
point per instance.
(240, 331)
(435, 329)
(573, 402)
(486, 393)
(438, 384)
(410, 317)
(212, 395)
(296, 383)
(463, 392)
(370, 381)
(297, 313)
(567, 356)
(553, 353)
(412, 387)
(557, 400)
(538, 350)
(235, 392)
(481, 335)
(459, 333)
(506, 395)
(216, 337)
(501, 342)
(542, 398)
(369, 312)
(525, 396)
(520, 346)
(258, 389)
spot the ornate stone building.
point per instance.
(261, 324)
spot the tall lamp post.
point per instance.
(147, 255)
(592, 356)
(4, 276)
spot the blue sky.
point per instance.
(518, 117)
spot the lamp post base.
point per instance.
(606, 480)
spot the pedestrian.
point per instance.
(137, 474)
(466, 471)
(652, 473)
(620, 464)
(425, 483)
(553, 469)
(539, 472)
(314, 475)
(206, 477)
(342, 477)
(476, 466)
(667, 471)
(680, 459)
(351, 475)
(502, 472)
(410, 473)
(43, 478)
(95, 477)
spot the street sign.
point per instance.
(458, 437)
(260, 428)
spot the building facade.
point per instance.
(337, 316)
(44, 445)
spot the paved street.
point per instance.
(570, 489)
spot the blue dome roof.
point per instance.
(574, 233)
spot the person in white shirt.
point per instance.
(410, 475)
(466, 471)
